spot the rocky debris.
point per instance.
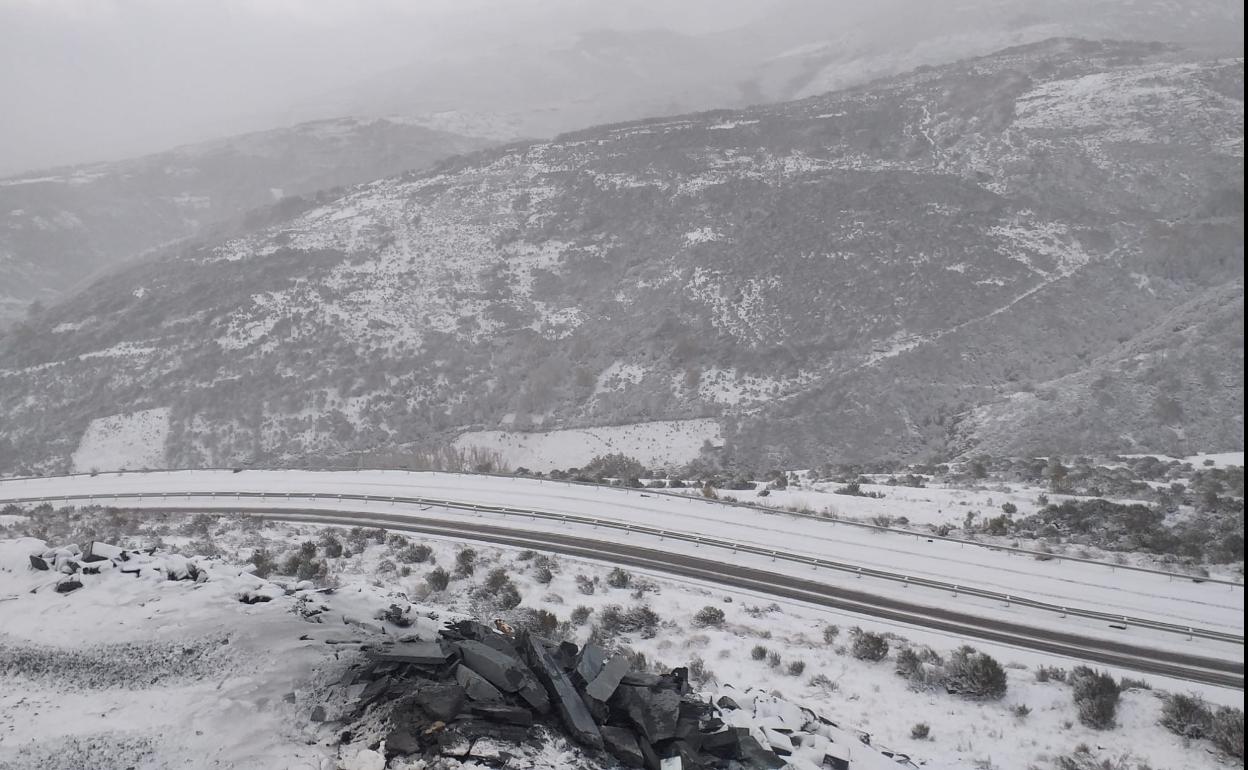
(476, 694)
(68, 585)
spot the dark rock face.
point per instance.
(476, 686)
(504, 671)
(67, 586)
(655, 712)
(622, 744)
(37, 562)
(442, 701)
(417, 653)
(497, 712)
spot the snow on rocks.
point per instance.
(472, 695)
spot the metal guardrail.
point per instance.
(1039, 555)
(774, 554)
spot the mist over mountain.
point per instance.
(61, 226)
(974, 256)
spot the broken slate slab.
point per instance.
(504, 672)
(603, 686)
(38, 562)
(654, 712)
(476, 686)
(576, 717)
(755, 757)
(588, 664)
(622, 744)
(428, 654)
(440, 700)
(499, 712)
(402, 742)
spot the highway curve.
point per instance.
(1226, 673)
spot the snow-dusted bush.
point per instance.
(1096, 695)
(868, 645)
(1186, 715)
(797, 667)
(415, 553)
(438, 579)
(975, 674)
(543, 575)
(585, 585)
(920, 731)
(465, 562)
(1227, 731)
(830, 633)
(580, 615)
(759, 652)
(708, 616)
(619, 578)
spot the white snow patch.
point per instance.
(120, 441)
(658, 443)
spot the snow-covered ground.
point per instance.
(237, 713)
(665, 443)
(124, 441)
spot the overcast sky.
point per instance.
(87, 80)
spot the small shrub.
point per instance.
(618, 578)
(759, 652)
(975, 674)
(868, 645)
(1227, 731)
(465, 562)
(908, 664)
(920, 731)
(331, 545)
(580, 615)
(1021, 711)
(1009, 509)
(438, 579)
(585, 585)
(773, 659)
(543, 575)
(1186, 715)
(415, 553)
(709, 616)
(1127, 683)
(830, 633)
(797, 667)
(1046, 673)
(1096, 695)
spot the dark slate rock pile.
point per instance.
(478, 694)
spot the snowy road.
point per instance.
(1217, 609)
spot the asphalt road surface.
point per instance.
(1226, 673)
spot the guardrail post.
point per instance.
(955, 592)
(1007, 601)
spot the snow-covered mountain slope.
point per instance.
(59, 226)
(841, 276)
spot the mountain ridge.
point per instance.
(849, 276)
